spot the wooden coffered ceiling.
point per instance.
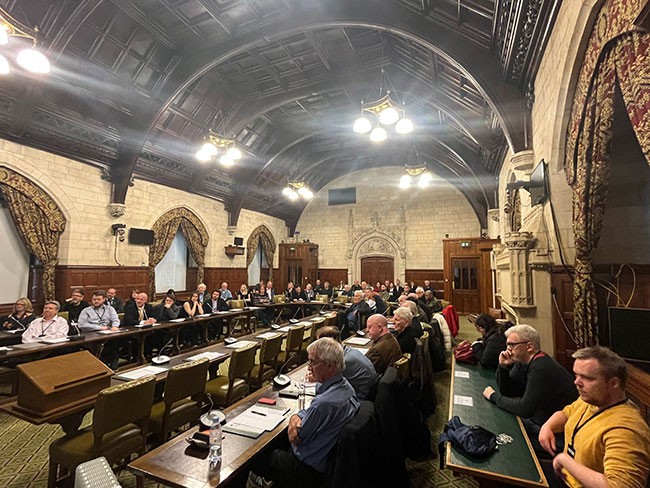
(137, 84)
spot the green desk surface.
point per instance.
(513, 463)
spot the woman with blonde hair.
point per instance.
(21, 315)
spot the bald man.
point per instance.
(385, 349)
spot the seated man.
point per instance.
(607, 440)
(326, 290)
(374, 300)
(313, 432)
(355, 314)
(359, 371)
(385, 349)
(166, 310)
(74, 305)
(201, 290)
(99, 315)
(141, 314)
(226, 294)
(49, 326)
(113, 300)
(532, 384)
(213, 305)
(406, 334)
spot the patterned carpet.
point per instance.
(25, 447)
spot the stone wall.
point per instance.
(428, 216)
(83, 197)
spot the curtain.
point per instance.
(261, 235)
(623, 62)
(165, 229)
(39, 222)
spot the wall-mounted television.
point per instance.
(143, 237)
(629, 333)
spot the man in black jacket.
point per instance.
(355, 314)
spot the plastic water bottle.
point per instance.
(301, 394)
(215, 438)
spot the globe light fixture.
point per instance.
(30, 59)
(215, 145)
(296, 189)
(415, 173)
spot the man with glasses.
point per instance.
(531, 383)
(74, 305)
(313, 431)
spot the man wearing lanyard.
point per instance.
(49, 326)
(607, 439)
(101, 316)
(531, 383)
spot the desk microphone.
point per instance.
(282, 380)
(77, 336)
(160, 358)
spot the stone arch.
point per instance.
(377, 244)
(262, 235)
(38, 219)
(165, 229)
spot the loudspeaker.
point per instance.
(239, 241)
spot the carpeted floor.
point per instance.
(24, 447)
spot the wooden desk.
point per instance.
(514, 463)
(177, 465)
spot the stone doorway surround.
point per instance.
(376, 240)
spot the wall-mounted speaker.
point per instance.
(239, 241)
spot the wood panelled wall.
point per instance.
(333, 275)
(435, 276)
(632, 287)
(91, 278)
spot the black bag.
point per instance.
(474, 440)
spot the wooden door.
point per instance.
(376, 269)
(465, 284)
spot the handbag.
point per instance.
(465, 354)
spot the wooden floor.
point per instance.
(24, 447)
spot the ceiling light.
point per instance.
(215, 143)
(4, 66)
(296, 189)
(29, 59)
(4, 35)
(405, 181)
(34, 61)
(209, 149)
(225, 160)
(203, 156)
(415, 173)
(234, 153)
(378, 134)
(384, 111)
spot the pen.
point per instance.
(259, 413)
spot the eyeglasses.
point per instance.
(313, 362)
(511, 345)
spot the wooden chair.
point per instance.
(268, 365)
(402, 365)
(118, 430)
(293, 349)
(182, 400)
(9, 376)
(226, 390)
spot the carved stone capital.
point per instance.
(116, 210)
(231, 229)
(523, 160)
(519, 240)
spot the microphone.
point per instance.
(162, 359)
(282, 380)
(77, 336)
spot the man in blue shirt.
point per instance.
(314, 431)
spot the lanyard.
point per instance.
(44, 330)
(100, 317)
(580, 426)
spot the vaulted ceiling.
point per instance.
(137, 84)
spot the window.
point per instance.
(171, 272)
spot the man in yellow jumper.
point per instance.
(607, 442)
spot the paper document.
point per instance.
(255, 420)
(236, 309)
(141, 372)
(240, 344)
(463, 400)
(286, 328)
(362, 350)
(55, 341)
(177, 320)
(110, 331)
(462, 374)
(268, 335)
(211, 355)
(4, 348)
(358, 341)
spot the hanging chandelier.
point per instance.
(30, 58)
(415, 174)
(382, 114)
(223, 147)
(296, 189)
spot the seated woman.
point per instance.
(213, 305)
(243, 293)
(21, 316)
(492, 341)
(191, 308)
(260, 298)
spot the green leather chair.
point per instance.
(292, 353)
(182, 400)
(226, 390)
(266, 369)
(118, 430)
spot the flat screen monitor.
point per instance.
(537, 186)
(629, 333)
(142, 237)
